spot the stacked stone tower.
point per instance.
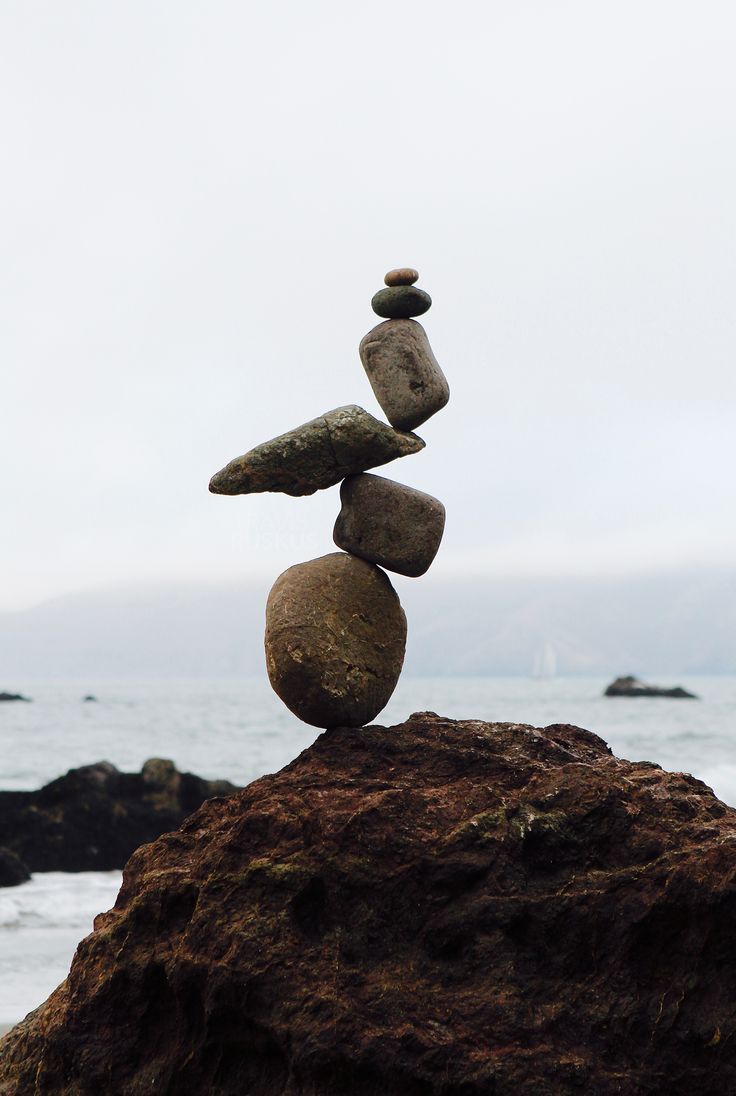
(335, 630)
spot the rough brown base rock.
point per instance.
(439, 908)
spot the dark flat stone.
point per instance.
(400, 302)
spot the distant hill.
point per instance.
(659, 626)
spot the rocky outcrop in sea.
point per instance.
(93, 818)
(632, 686)
(444, 908)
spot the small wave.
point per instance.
(58, 900)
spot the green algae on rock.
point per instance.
(316, 455)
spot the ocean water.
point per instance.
(239, 730)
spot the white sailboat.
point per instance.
(545, 662)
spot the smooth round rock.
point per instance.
(335, 640)
(403, 275)
(401, 302)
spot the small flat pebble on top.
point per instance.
(403, 275)
(401, 302)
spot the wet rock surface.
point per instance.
(316, 455)
(335, 640)
(389, 524)
(438, 908)
(404, 374)
(94, 817)
(632, 686)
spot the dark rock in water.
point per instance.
(400, 302)
(14, 696)
(335, 640)
(389, 524)
(433, 909)
(93, 818)
(89, 699)
(316, 455)
(631, 686)
(12, 869)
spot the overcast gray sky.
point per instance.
(199, 200)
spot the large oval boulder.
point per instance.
(335, 640)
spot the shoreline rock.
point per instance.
(94, 817)
(13, 871)
(440, 907)
(14, 696)
(632, 686)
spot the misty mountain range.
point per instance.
(659, 626)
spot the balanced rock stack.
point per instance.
(335, 629)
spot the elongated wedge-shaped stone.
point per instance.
(318, 454)
(404, 374)
(389, 524)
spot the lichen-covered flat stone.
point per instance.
(389, 524)
(404, 373)
(316, 455)
(335, 640)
